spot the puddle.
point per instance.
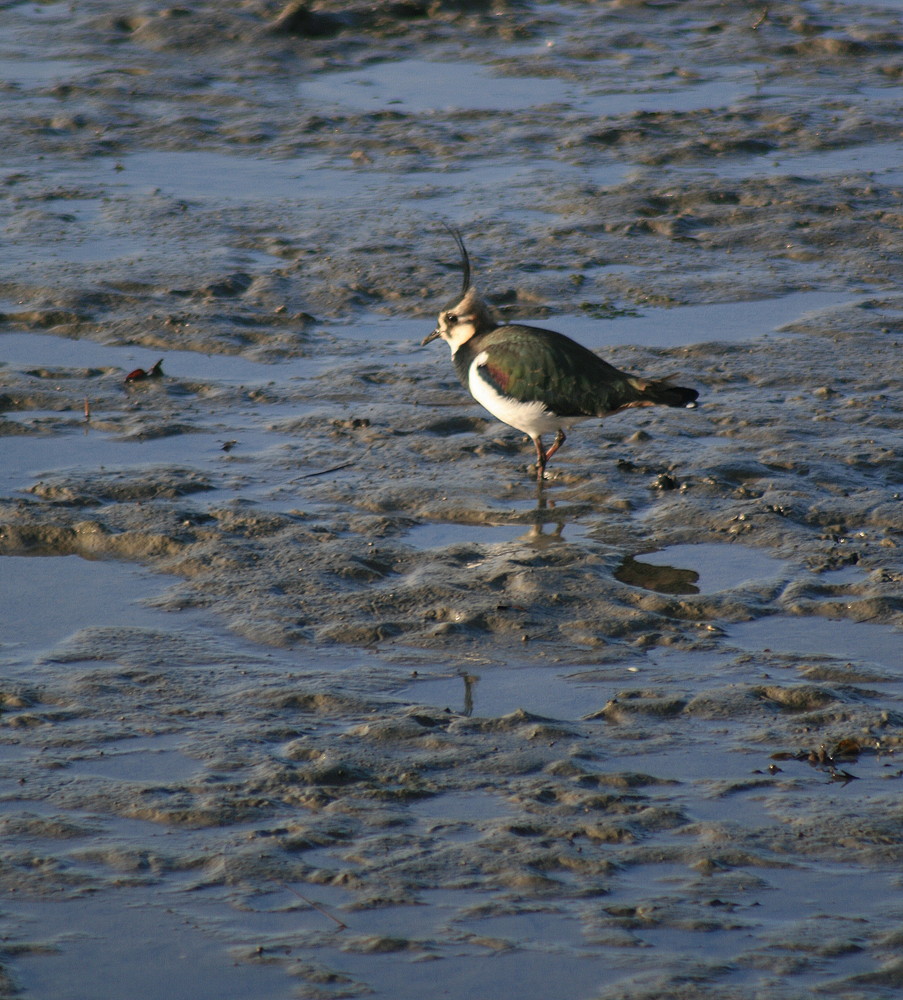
(462, 807)
(109, 948)
(698, 569)
(775, 913)
(417, 85)
(845, 576)
(32, 350)
(203, 178)
(157, 759)
(385, 329)
(85, 594)
(487, 970)
(827, 890)
(207, 177)
(882, 158)
(462, 86)
(526, 928)
(841, 638)
(154, 760)
(440, 535)
(723, 321)
(682, 762)
(735, 784)
(894, 5)
(38, 72)
(27, 458)
(285, 913)
(496, 691)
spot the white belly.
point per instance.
(531, 418)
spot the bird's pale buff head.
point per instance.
(460, 321)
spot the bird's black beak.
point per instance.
(431, 336)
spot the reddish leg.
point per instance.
(541, 459)
(556, 444)
(542, 456)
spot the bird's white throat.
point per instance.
(458, 335)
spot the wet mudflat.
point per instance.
(306, 689)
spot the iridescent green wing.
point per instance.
(531, 364)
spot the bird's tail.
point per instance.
(663, 393)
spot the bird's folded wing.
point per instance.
(567, 378)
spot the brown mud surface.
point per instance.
(303, 679)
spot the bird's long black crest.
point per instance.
(465, 260)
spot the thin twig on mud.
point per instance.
(335, 468)
(318, 908)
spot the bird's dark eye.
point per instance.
(451, 318)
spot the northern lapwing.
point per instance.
(538, 381)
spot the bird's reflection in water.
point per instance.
(544, 514)
(662, 579)
(470, 682)
(538, 535)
